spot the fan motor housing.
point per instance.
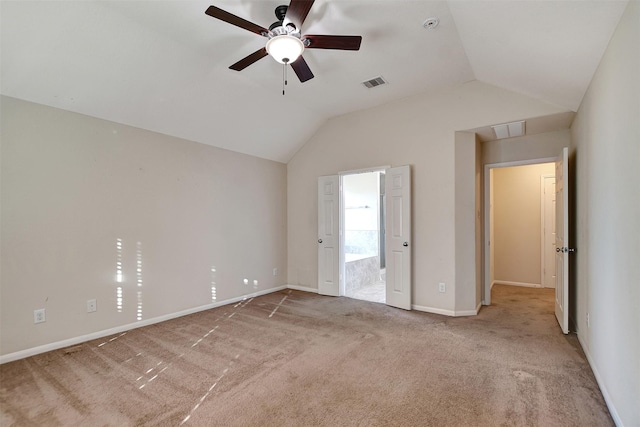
(281, 12)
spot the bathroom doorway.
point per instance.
(364, 236)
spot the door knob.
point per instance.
(319, 240)
(405, 244)
(558, 249)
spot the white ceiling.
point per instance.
(163, 65)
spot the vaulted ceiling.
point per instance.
(163, 65)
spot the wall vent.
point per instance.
(374, 82)
(509, 130)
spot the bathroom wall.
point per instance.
(361, 203)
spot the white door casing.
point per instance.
(398, 236)
(562, 240)
(488, 229)
(328, 235)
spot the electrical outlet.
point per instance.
(39, 316)
(92, 306)
(275, 271)
(442, 287)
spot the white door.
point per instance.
(328, 235)
(398, 236)
(562, 240)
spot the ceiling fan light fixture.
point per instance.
(285, 48)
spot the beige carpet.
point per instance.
(298, 359)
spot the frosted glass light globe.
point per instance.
(285, 48)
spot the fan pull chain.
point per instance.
(284, 74)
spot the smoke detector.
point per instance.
(431, 23)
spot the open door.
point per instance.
(398, 236)
(328, 235)
(562, 240)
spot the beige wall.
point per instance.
(605, 156)
(468, 289)
(517, 223)
(419, 131)
(72, 185)
(539, 146)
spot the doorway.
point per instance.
(515, 221)
(363, 231)
(395, 208)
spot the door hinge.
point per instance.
(565, 250)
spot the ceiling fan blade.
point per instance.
(297, 12)
(236, 20)
(333, 42)
(248, 60)
(302, 69)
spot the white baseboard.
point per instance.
(444, 312)
(603, 389)
(475, 312)
(10, 357)
(511, 283)
(303, 288)
(478, 307)
(433, 310)
(463, 313)
(451, 313)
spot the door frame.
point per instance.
(486, 229)
(543, 249)
(341, 175)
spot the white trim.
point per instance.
(463, 313)
(511, 283)
(303, 288)
(118, 329)
(543, 203)
(450, 313)
(469, 312)
(341, 225)
(486, 289)
(365, 170)
(434, 310)
(601, 385)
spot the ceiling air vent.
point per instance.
(509, 130)
(374, 82)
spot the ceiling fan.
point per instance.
(286, 43)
